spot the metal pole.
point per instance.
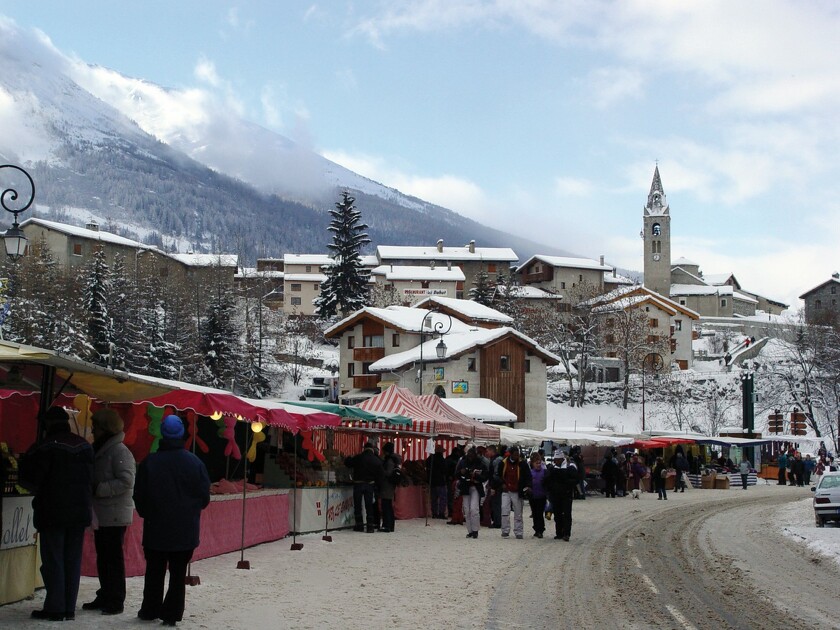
(326, 537)
(643, 397)
(243, 563)
(296, 546)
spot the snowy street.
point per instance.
(704, 558)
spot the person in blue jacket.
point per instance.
(171, 489)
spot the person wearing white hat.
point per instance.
(561, 481)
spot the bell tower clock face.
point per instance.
(656, 257)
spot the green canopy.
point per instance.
(349, 411)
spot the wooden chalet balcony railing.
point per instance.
(366, 381)
(546, 275)
(368, 355)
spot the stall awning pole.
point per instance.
(330, 435)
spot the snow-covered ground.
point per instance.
(797, 521)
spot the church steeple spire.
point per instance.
(656, 201)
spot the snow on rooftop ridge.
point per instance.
(701, 289)
(716, 278)
(431, 252)
(609, 278)
(96, 235)
(468, 308)
(307, 259)
(480, 409)
(570, 262)
(528, 292)
(406, 318)
(683, 261)
(418, 272)
(305, 277)
(206, 260)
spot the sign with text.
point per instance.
(424, 292)
(314, 510)
(18, 530)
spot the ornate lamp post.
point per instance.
(654, 362)
(438, 327)
(14, 238)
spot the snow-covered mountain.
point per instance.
(180, 164)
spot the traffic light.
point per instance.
(775, 423)
(797, 423)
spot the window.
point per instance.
(682, 301)
(296, 301)
(163, 272)
(817, 303)
(580, 277)
(562, 285)
(491, 267)
(424, 284)
(610, 339)
(652, 339)
(77, 249)
(296, 286)
(833, 290)
(351, 342)
(653, 323)
(351, 369)
(677, 324)
(504, 363)
(317, 286)
(373, 341)
(308, 268)
(395, 340)
(610, 322)
(723, 302)
(470, 364)
(527, 365)
(656, 229)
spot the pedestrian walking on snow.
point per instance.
(514, 478)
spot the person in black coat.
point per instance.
(436, 469)
(171, 489)
(59, 471)
(367, 471)
(471, 473)
(561, 481)
(609, 473)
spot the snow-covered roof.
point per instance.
(404, 318)
(305, 277)
(700, 289)
(609, 278)
(419, 272)
(408, 252)
(369, 260)
(568, 262)
(469, 309)
(689, 274)
(482, 409)
(716, 278)
(253, 272)
(737, 295)
(528, 292)
(623, 292)
(683, 261)
(307, 259)
(457, 343)
(833, 279)
(206, 260)
(95, 235)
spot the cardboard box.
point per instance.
(721, 483)
(707, 482)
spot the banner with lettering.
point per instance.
(18, 530)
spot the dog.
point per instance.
(636, 493)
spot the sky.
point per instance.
(541, 118)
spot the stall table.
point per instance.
(266, 519)
(410, 502)
(19, 558)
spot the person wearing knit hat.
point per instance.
(59, 471)
(113, 483)
(171, 490)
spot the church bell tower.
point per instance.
(656, 232)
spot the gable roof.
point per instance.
(419, 272)
(206, 260)
(466, 310)
(834, 279)
(400, 318)
(568, 262)
(458, 344)
(94, 235)
(624, 292)
(407, 252)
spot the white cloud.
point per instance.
(450, 191)
(205, 71)
(613, 86)
(573, 187)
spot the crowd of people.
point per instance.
(794, 470)
(76, 484)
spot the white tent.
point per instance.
(481, 409)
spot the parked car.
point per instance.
(827, 498)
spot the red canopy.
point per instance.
(668, 440)
(648, 444)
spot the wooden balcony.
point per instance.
(368, 355)
(366, 381)
(546, 275)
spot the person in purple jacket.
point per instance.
(537, 496)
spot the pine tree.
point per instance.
(118, 310)
(219, 338)
(95, 297)
(346, 287)
(482, 290)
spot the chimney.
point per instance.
(614, 274)
(432, 265)
(449, 265)
(836, 275)
(93, 226)
(472, 247)
(602, 260)
(440, 245)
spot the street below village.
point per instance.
(702, 559)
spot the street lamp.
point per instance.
(653, 361)
(438, 327)
(14, 238)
